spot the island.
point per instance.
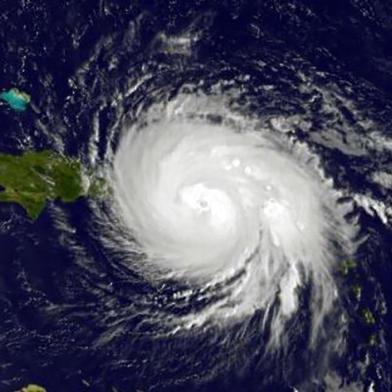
(33, 178)
(18, 100)
(33, 388)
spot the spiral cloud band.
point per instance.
(210, 205)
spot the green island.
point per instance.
(16, 99)
(33, 388)
(368, 316)
(357, 291)
(346, 266)
(34, 178)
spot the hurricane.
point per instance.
(241, 215)
(237, 237)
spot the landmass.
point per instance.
(346, 266)
(33, 388)
(357, 291)
(16, 99)
(34, 178)
(368, 316)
